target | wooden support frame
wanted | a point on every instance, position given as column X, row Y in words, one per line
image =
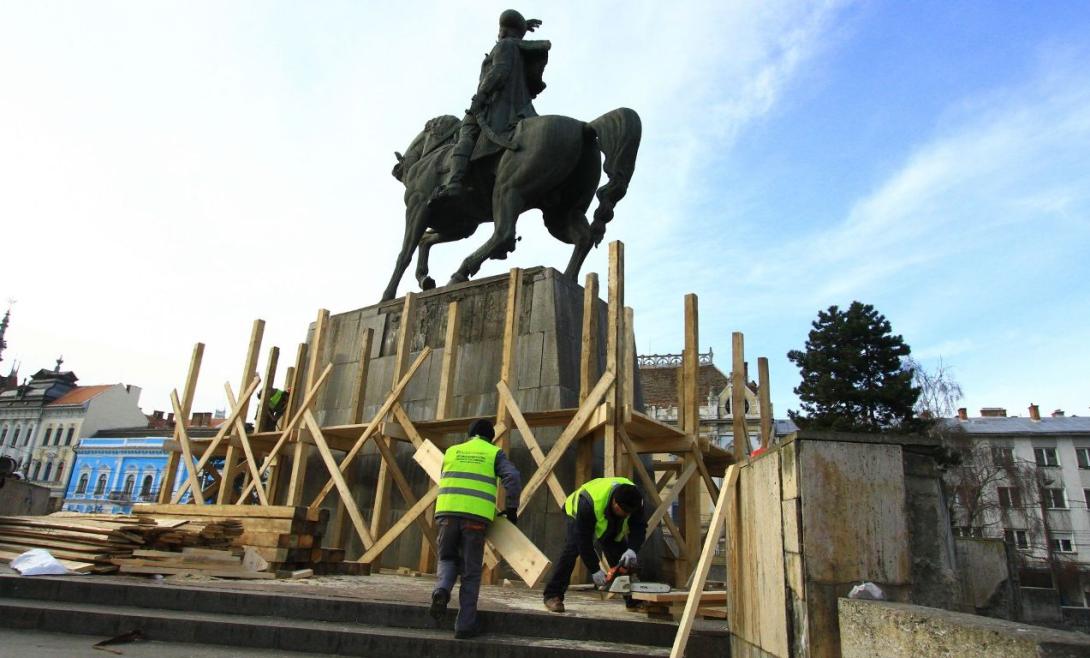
column 614, row 353
column 338, row 529
column 337, row 478
column 764, row 399
column 187, row 450
column 249, row 372
column 738, row 396
column 301, row 448
column 247, row 450
column 262, row 420
column 170, row 474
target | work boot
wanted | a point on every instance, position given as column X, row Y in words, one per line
column 554, row 604
column 439, row 600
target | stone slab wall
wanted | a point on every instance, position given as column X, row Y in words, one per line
column 898, row 630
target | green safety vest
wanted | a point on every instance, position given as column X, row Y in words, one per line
column 277, row 398
column 468, row 482
column 598, row 490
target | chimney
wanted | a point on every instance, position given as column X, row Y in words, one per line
column 993, row 412
column 963, row 413
column 157, row 415
column 1059, row 413
column 1034, row 412
column 170, row 418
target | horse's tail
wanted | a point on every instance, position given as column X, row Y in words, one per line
column 619, row 134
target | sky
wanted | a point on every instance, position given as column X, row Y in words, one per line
column 170, row 171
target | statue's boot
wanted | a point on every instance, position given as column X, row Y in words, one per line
column 453, row 188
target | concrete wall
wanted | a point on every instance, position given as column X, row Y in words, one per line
column 897, row 630
column 1040, row 605
column 21, row 498
column 986, row 583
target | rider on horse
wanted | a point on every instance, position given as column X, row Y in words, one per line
column 511, row 77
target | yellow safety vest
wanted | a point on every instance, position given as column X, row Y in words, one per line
column 598, row 491
column 468, row 483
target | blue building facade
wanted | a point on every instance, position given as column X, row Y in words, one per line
column 110, row 474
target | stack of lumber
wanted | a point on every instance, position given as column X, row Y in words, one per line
column 220, row 563
column 91, row 543
column 287, row 537
column 669, row 605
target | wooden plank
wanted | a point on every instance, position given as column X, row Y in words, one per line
column 508, row 361
column 406, row 490
column 359, row 391
column 262, row 421
column 738, row 397
column 286, row 433
column 689, row 503
column 301, row 448
column 588, row 374
column 614, row 352
column 764, row 399
column 508, row 400
column 695, row 594
column 170, row 473
column 210, row 450
column 504, row 537
column 381, row 508
column 665, row 501
column 569, row 434
column 681, row 596
column 407, row 519
column 336, row 476
column 450, row 363
column 240, row 512
column 247, row 451
column 391, row 399
column 709, row 483
column 249, row 371
column 240, row 573
column 187, row 451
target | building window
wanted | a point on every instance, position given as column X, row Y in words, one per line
column 29, row 434
column 48, row 436
column 130, row 482
column 82, row 486
column 145, row 487
column 15, row 436
column 1055, row 498
column 68, row 437
column 1017, row 538
column 48, row 470
column 60, row 471
column 100, row 486
column 967, row 531
column 1083, row 457
column 1061, row 543
column 3, row 434
column 35, row 468
column 1045, row 457
column 1003, row 457
column 1010, row 497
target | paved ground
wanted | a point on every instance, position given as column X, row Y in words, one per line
column 62, row 645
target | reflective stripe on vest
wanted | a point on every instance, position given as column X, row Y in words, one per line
column 468, row 482
column 598, row 491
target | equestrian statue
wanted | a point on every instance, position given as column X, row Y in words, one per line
column 502, row 159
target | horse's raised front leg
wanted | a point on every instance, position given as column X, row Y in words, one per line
column 507, row 205
column 415, row 216
column 430, row 239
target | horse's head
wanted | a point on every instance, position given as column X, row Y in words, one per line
column 437, row 132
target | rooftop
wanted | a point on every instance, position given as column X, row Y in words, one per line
column 1023, row 425
column 81, row 394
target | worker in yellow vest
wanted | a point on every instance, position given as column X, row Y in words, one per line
column 607, row 512
column 465, row 508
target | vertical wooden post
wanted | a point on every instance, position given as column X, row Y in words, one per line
column 690, row 499
column 381, row 508
column 443, row 408
column 764, row 397
column 170, row 473
column 508, row 361
column 628, row 370
column 738, row 396
column 614, row 350
column 226, row 494
column 588, row 376
column 261, row 421
column 301, row 448
column 294, row 380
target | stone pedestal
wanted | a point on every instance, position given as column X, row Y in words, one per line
column 546, row 378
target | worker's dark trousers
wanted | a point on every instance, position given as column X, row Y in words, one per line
column 565, row 564
column 461, row 552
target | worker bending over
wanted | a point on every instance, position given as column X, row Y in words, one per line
column 465, row 508
column 606, row 511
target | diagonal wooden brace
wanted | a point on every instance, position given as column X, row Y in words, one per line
column 338, row 479
column 406, row 490
column 392, row 398
column 220, row 436
column 187, row 449
column 649, row 486
column 508, row 401
column 247, row 450
column 667, row 501
column 289, row 428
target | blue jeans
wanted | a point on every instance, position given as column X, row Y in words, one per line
column 461, row 552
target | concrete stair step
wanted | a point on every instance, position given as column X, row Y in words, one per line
column 279, row 633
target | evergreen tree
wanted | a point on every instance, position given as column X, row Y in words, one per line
column 853, row 378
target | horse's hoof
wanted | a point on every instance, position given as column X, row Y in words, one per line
column 457, row 278
column 427, row 284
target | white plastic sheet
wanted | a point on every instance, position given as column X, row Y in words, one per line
column 38, row 562
column 867, row 591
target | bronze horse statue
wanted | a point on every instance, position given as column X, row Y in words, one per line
column 555, row 167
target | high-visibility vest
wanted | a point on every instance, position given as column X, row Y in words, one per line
column 598, row 491
column 468, row 482
column 277, row 398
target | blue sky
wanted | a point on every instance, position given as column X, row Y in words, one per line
column 160, row 160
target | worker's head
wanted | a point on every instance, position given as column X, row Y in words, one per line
column 482, row 427
column 626, row 500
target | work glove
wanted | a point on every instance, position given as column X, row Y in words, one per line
column 599, row 579
column 629, row 560
column 511, row 514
